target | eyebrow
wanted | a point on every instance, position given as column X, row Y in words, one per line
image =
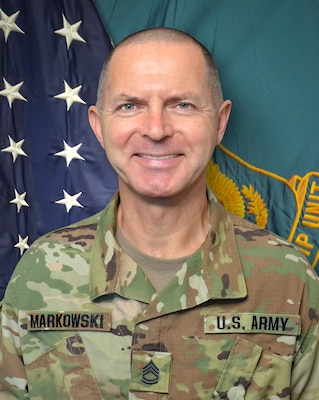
column 126, row 97
column 174, row 97
column 183, row 96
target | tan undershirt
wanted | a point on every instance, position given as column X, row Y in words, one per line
column 158, row 270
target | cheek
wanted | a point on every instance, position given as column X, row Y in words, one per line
column 117, row 133
column 204, row 143
column 113, row 137
column 116, row 144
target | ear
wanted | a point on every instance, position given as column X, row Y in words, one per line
column 95, row 122
column 223, row 116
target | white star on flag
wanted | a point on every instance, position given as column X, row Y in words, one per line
column 70, row 95
column 22, row 244
column 19, row 200
column 15, row 149
column 70, row 153
column 12, row 92
column 70, row 201
column 70, row 31
column 8, row 25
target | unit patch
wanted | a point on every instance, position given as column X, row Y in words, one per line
column 276, row 324
column 68, row 321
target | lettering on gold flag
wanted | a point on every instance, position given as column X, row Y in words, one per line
column 287, row 207
column 305, row 232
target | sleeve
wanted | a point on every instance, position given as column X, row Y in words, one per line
column 305, row 382
column 305, row 373
column 13, row 382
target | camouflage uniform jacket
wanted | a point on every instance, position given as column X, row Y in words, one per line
column 80, row 320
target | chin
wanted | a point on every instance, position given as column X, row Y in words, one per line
column 163, row 194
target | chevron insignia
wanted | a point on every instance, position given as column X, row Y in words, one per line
column 150, row 375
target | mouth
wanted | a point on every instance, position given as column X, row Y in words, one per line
column 154, row 157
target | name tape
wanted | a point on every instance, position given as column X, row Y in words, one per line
column 66, row 321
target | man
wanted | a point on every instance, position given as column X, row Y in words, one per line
column 162, row 295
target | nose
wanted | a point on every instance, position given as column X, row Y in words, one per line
column 158, row 124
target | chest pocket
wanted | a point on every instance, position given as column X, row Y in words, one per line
column 63, row 373
column 251, row 373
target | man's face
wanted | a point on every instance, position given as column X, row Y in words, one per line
column 159, row 126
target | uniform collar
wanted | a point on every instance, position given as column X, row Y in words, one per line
column 213, row 272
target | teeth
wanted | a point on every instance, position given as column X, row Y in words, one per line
column 157, row 157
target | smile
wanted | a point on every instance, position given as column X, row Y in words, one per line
column 157, row 157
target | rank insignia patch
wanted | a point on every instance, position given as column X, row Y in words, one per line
column 151, row 371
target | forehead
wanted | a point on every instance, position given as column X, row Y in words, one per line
column 158, row 56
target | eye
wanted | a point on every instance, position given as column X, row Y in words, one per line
column 128, row 107
column 184, row 106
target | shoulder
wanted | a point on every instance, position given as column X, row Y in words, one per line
column 262, row 243
column 82, row 232
column 71, row 234
column 79, row 235
column 277, row 263
column 63, row 254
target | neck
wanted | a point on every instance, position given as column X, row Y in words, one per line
column 167, row 228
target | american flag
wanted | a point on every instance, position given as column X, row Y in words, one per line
column 52, row 169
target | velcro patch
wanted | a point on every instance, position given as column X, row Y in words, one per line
column 276, row 324
column 69, row 321
column 151, row 371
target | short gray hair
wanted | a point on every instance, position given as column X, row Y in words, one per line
column 171, row 36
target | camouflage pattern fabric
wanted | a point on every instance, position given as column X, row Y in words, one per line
column 80, row 320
